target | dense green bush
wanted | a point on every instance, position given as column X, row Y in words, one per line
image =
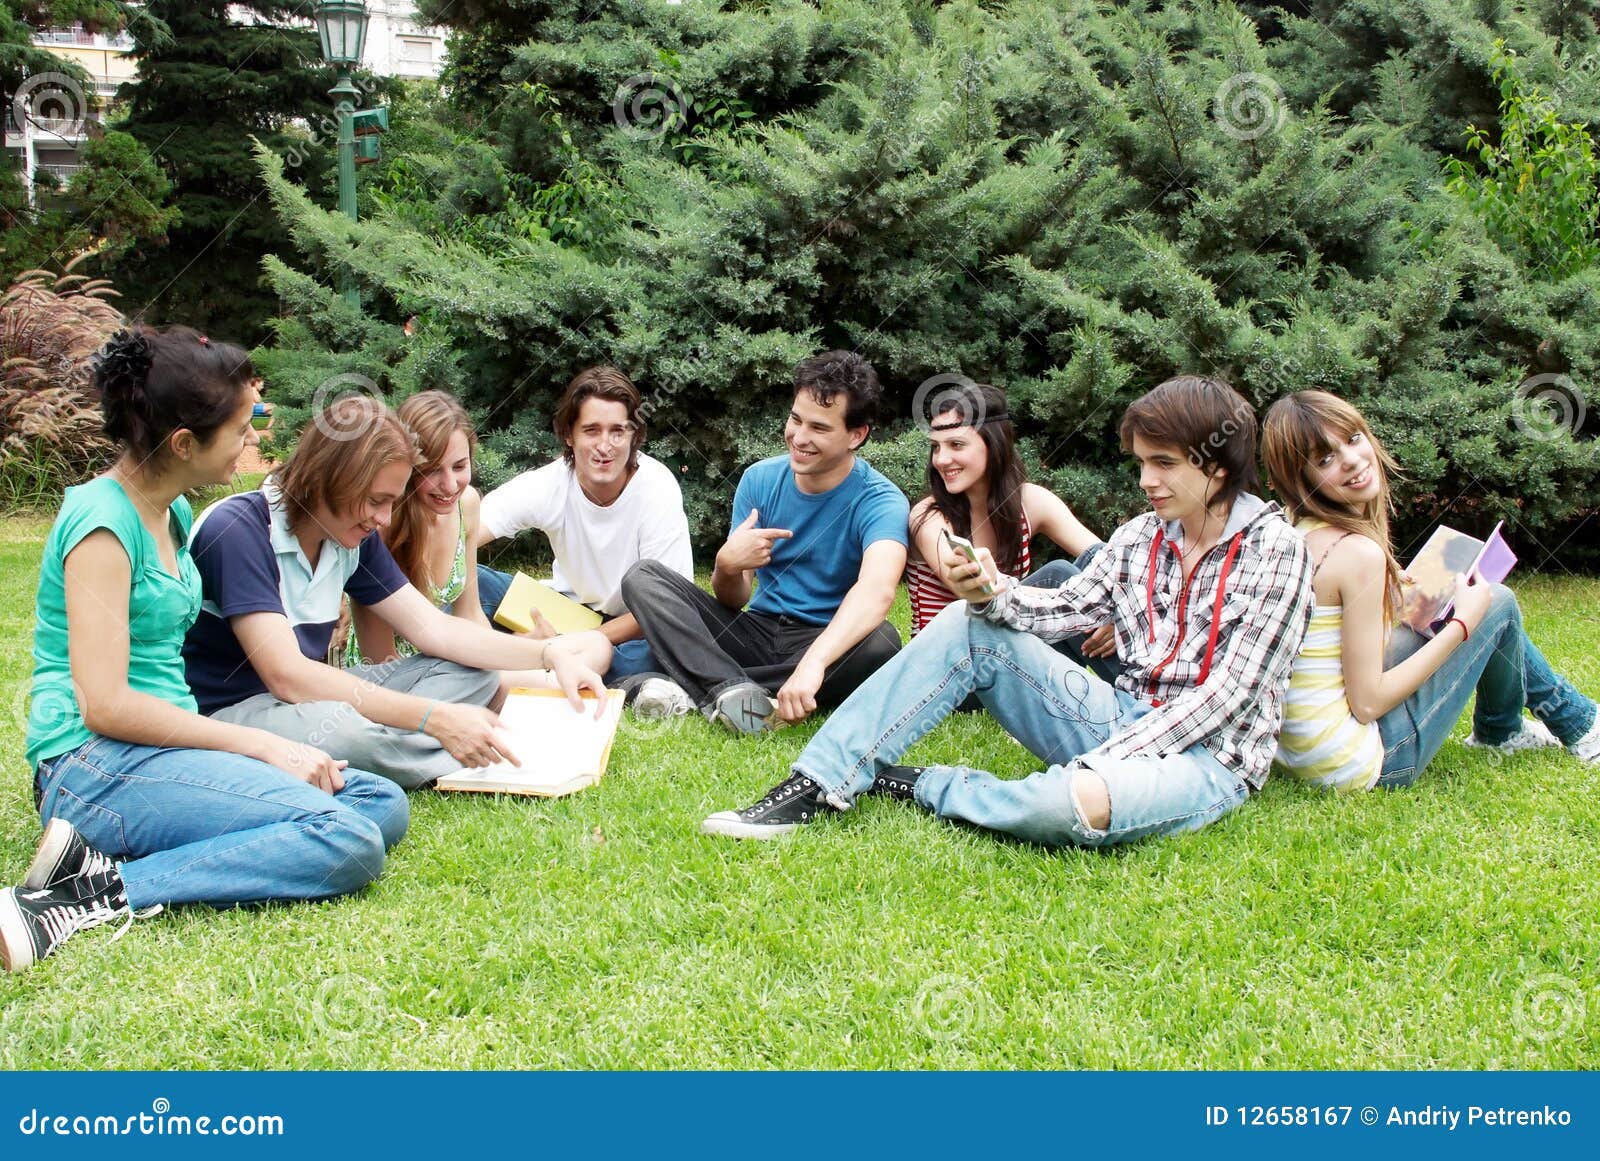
column 1071, row 199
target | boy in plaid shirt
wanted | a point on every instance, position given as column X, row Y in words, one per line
column 1208, row 594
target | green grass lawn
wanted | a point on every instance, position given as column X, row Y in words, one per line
column 1451, row 926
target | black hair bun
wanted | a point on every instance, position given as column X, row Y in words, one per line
column 122, row 366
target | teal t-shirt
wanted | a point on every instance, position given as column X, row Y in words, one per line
column 161, row 607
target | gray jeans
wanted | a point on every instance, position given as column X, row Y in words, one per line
column 407, row 757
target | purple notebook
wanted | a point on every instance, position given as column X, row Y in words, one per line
column 1427, row 601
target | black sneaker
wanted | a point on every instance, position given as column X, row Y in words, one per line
column 63, row 859
column 794, row 801
column 34, row 923
column 897, row 782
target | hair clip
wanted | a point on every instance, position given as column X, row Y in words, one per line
column 204, row 342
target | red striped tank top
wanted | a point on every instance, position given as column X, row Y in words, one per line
column 928, row 594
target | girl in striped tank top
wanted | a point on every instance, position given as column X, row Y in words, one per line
column 1370, row 703
column 978, row 488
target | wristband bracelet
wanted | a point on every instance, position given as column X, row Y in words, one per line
column 1466, row 634
column 425, row 714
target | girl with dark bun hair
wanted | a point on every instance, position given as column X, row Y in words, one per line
column 146, row 802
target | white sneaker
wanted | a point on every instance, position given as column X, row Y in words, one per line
column 1587, row 748
column 660, row 698
column 1535, row 735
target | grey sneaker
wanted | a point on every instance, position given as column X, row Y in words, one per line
column 745, row 708
column 1534, row 735
column 660, row 698
column 787, row 806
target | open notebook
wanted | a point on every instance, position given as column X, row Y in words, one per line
column 1426, row 603
column 561, row 750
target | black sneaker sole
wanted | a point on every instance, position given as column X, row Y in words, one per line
column 46, row 863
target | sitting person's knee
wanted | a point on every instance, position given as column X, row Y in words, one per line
column 643, row 574
column 353, row 848
column 1091, row 799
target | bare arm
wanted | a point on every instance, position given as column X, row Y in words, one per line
column 623, row 628
column 374, row 637
column 577, row 659
column 1372, row 690
column 98, row 578
column 863, row 610
column 1049, row 514
column 925, row 536
column 466, row 731
column 468, row 607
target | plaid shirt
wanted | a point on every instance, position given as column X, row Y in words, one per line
column 1221, row 690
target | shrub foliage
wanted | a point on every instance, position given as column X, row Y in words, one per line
column 1071, row 199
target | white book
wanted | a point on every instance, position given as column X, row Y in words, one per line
column 561, row 750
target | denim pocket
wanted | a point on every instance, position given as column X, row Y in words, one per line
column 100, row 828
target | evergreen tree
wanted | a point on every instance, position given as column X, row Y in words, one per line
column 200, row 97
column 1073, row 200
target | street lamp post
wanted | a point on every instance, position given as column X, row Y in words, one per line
column 342, row 26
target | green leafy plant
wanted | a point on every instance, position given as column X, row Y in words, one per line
column 1539, row 187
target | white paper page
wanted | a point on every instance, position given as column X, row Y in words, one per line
column 554, row 742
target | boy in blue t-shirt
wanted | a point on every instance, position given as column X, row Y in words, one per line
column 823, row 536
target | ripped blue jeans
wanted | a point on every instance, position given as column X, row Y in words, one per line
column 1056, row 708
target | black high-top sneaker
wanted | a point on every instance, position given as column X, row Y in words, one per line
column 897, row 782
column 787, row 806
column 65, row 858
column 34, row 923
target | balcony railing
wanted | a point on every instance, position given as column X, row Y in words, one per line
column 121, row 42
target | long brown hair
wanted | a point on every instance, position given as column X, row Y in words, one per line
column 984, row 409
column 432, row 417
column 1299, row 430
column 341, row 451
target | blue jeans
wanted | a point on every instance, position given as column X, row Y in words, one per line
column 204, row 826
column 627, row 659
column 1508, row 673
column 1055, row 707
column 1053, row 576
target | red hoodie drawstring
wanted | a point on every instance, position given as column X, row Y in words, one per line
column 1183, row 607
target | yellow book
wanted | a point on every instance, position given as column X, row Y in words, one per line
column 561, row 750
column 526, row 594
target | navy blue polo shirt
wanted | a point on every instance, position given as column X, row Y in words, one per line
column 250, row 562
